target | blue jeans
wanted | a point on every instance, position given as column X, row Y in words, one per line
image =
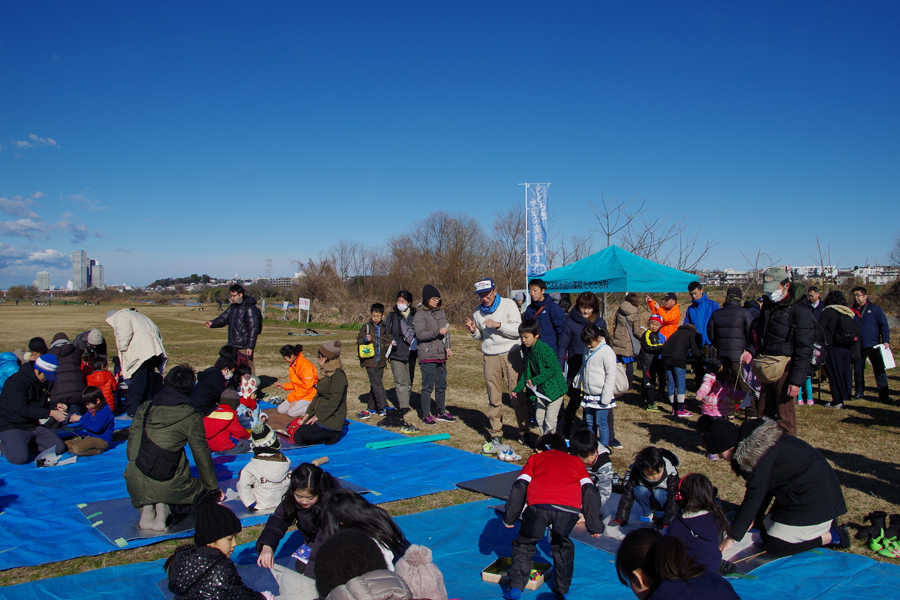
column 675, row 376
column 598, row 419
column 650, row 501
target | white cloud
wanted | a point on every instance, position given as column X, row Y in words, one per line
column 79, row 232
column 25, row 228
column 18, row 207
column 86, row 203
column 38, row 194
column 50, row 256
column 18, row 265
column 35, row 141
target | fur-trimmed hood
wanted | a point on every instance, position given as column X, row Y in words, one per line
column 753, row 446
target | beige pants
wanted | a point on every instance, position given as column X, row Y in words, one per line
column 497, row 368
column 86, row 446
column 547, row 414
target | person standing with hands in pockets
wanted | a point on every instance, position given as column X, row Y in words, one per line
column 496, row 324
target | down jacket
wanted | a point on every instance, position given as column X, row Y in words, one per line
column 624, row 324
column 776, row 465
column 244, row 323
column 172, row 424
column 69, row 380
column 201, row 573
column 788, row 329
column 137, row 339
column 220, row 426
column 9, row 364
column 668, row 482
column 681, row 345
column 570, row 346
column 729, row 330
column 374, row 585
column 264, row 481
column 433, row 345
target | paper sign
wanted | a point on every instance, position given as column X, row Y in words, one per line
column 303, row 303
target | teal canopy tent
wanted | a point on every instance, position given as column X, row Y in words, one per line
column 616, row 270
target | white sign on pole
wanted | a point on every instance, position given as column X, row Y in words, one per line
column 303, row 303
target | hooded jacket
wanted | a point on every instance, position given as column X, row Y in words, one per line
column 137, row 339
column 805, row 488
column 204, row 573
column 830, row 321
column 700, row 534
column 668, row 482
column 626, row 322
column 374, row 585
column 303, row 379
column 433, row 345
column 69, row 380
column 788, row 329
column 698, row 314
column 22, row 402
column 570, row 346
column 330, row 403
column 551, row 318
column 244, row 323
column 873, row 325
column 220, row 426
column 651, row 349
column 681, row 345
column 172, row 424
column 264, row 481
column 9, row 364
column 597, row 375
column 671, row 317
column 402, row 331
column 729, row 330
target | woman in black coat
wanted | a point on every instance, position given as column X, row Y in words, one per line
column 836, row 317
column 69, row 382
column 802, row 488
column 570, row 350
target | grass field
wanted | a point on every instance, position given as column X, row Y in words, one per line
column 861, row 441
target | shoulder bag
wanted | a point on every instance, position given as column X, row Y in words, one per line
column 367, row 350
column 153, row 461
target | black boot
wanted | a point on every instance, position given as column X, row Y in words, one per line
column 877, row 520
column 884, row 394
column 894, row 530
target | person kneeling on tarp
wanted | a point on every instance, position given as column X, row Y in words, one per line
column 24, row 409
column 324, row 419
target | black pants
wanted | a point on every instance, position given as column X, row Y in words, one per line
column 778, row 547
column 653, row 376
column 377, row 395
column 535, row 521
column 141, row 385
column 314, row 434
column 18, row 445
column 838, row 367
column 859, row 369
column 568, row 414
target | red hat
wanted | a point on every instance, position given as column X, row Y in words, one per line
column 656, row 319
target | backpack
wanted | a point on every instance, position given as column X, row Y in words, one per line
column 846, row 332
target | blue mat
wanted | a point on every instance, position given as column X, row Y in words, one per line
column 468, row 537
column 40, row 520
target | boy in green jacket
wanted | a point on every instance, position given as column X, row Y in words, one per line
column 542, row 376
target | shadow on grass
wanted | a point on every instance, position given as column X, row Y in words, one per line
column 867, row 475
column 685, row 439
column 871, row 415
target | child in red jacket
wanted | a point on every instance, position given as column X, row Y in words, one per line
column 557, row 488
column 103, row 379
column 222, row 425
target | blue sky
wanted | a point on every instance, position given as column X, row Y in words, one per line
column 175, row 138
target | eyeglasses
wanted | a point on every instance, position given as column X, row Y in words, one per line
column 233, row 295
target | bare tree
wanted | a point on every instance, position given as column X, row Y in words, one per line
column 615, row 216
column 760, row 262
column 509, row 247
column 894, row 255
column 569, row 250
column 826, row 268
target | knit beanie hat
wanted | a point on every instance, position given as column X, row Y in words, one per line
column 719, row 434
column 47, row 364
column 420, row 573
column 249, row 385
column 330, row 349
column 429, row 292
column 37, row 345
column 655, row 319
column 213, row 521
column 94, row 337
column 230, row 398
column 736, row 292
column 264, row 440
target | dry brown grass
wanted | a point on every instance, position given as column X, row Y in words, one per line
column 861, row 441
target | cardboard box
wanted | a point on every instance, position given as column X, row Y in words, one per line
column 498, row 572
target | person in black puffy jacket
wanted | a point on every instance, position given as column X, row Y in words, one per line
column 729, row 328
column 244, row 321
column 69, row 381
column 785, row 327
column 570, row 349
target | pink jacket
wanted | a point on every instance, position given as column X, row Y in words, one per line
column 717, row 396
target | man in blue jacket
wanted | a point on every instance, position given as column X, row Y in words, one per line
column 873, row 330
column 549, row 315
column 698, row 314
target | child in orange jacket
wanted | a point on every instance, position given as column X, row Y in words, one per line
column 302, row 384
column 669, row 311
column 103, row 379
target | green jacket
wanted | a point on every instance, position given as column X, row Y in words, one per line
column 542, row 368
column 172, row 424
column 330, row 404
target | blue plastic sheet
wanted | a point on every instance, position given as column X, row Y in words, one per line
column 465, row 539
column 40, row 520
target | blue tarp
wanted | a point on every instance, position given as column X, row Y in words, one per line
column 465, row 539
column 616, row 270
column 40, row 521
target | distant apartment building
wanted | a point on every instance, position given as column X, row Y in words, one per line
column 86, row 273
column 42, row 281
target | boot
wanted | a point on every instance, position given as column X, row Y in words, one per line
column 148, row 514
column 884, row 394
column 162, row 515
column 877, row 520
column 893, row 531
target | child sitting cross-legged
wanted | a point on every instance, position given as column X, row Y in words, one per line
column 267, row 476
column 204, row 569
column 542, row 376
column 652, row 484
column 222, row 426
column 556, row 488
column 701, row 523
column 718, row 391
column 658, row 567
column 97, row 420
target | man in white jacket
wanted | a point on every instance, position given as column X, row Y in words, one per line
column 141, row 353
column 496, row 323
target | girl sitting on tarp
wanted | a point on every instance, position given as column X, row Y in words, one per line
column 302, row 385
column 266, row 478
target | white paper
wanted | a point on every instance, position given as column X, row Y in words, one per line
column 887, row 357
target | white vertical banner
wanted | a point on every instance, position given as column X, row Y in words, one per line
column 536, row 224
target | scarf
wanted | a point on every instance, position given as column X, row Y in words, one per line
column 494, row 306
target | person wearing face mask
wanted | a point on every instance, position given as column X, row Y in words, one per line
column 404, row 353
column 785, row 333
column 210, row 385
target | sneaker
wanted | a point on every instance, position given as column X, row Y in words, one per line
column 712, row 456
column 363, row 415
column 615, row 444
column 492, row 446
column 446, row 417
column 429, row 420
column 383, row 412
column 859, row 396
column 407, row 427
column 835, row 405
column 800, row 402
column 810, row 402
column 646, row 518
column 655, row 408
column 684, row 414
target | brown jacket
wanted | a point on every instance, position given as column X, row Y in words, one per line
column 629, row 315
column 374, row 331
